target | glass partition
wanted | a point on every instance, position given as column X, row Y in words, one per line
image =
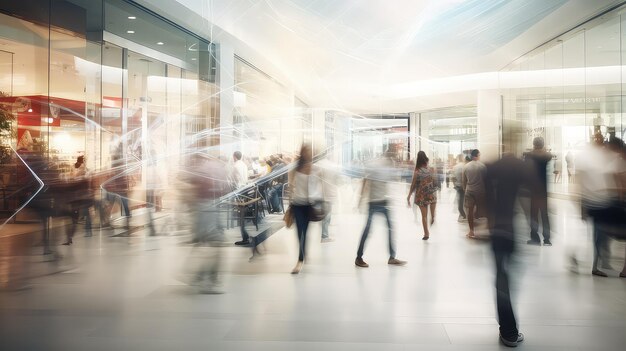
column 567, row 91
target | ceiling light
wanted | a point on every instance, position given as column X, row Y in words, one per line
column 193, row 59
column 160, row 43
column 30, row 110
column 130, row 31
column 132, row 17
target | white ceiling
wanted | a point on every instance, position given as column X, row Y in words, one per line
column 350, row 54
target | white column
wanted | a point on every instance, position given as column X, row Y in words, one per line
column 318, row 130
column 489, row 107
column 226, row 83
column 414, row 133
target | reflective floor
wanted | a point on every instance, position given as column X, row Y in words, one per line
column 130, row 293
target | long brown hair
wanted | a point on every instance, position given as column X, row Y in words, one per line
column 422, row 160
column 306, row 156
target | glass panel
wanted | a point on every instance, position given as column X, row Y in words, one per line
column 263, row 117
column 74, row 84
column 602, row 74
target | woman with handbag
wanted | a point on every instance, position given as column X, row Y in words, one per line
column 300, row 199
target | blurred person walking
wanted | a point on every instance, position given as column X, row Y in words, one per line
column 329, row 177
column 502, row 182
column 375, row 190
column 474, row 188
column 239, row 177
column 600, row 175
column 209, row 179
column 457, row 181
column 424, row 186
column 539, row 159
column 301, row 197
column 81, row 199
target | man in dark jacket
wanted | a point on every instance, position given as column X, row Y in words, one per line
column 502, row 182
column 538, row 160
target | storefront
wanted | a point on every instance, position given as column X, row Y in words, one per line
column 109, row 79
column 566, row 91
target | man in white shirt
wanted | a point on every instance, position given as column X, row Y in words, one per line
column 240, row 178
column 240, row 174
column 376, row 180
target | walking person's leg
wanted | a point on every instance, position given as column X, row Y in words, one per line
column 502, row 250
column 424, row 212
column 534, row 218
column 326, row 223
column 359, row 254
column 545, row 221
column 392, row 242
column 432, row 206
column 599, row 239
column 460, row 194
column 302, row 221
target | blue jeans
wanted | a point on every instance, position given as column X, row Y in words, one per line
column 301, row 214
column 274, row 195
column 377, row 207
column 326, row 221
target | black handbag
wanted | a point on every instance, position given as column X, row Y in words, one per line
column 319, row 211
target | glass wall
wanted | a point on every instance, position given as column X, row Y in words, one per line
column 566, row 91
column 106, row 78
column 267, row 118
column 448, row 132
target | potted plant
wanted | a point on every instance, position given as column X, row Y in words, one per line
column 7, row 131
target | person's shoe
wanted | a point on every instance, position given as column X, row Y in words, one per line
column 327, row 240
column 359, row 262
column 67, row 243
column 425, row 237
column 622, row 274
column 242, row 242
column 547, row 242
column 534, row 242
column 297, row 268
column 396, row 262
column 512, row 343
column 461, row 219
column 599, row 273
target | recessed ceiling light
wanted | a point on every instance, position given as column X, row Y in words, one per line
column 130, row 31
column 30, row 110
column 132, row 17
column 160, row 43
column 193, row 59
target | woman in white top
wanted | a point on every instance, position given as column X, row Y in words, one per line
column 299, row 199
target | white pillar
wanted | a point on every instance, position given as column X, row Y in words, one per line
column 318, row 130
column 226, row 83
column 414, row 133
column 489, row 108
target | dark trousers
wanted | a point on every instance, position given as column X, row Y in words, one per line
column 460, row 198
column 301, row 214
column 539, row 204
column 601, row 218
column 377, row 207
column 274, row 195
column 502, row 250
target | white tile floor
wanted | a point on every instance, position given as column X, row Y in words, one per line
column 129, row 293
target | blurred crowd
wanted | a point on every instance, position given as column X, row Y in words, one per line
column 217, row 193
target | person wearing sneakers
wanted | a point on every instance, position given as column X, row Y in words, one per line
column 376, row 182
